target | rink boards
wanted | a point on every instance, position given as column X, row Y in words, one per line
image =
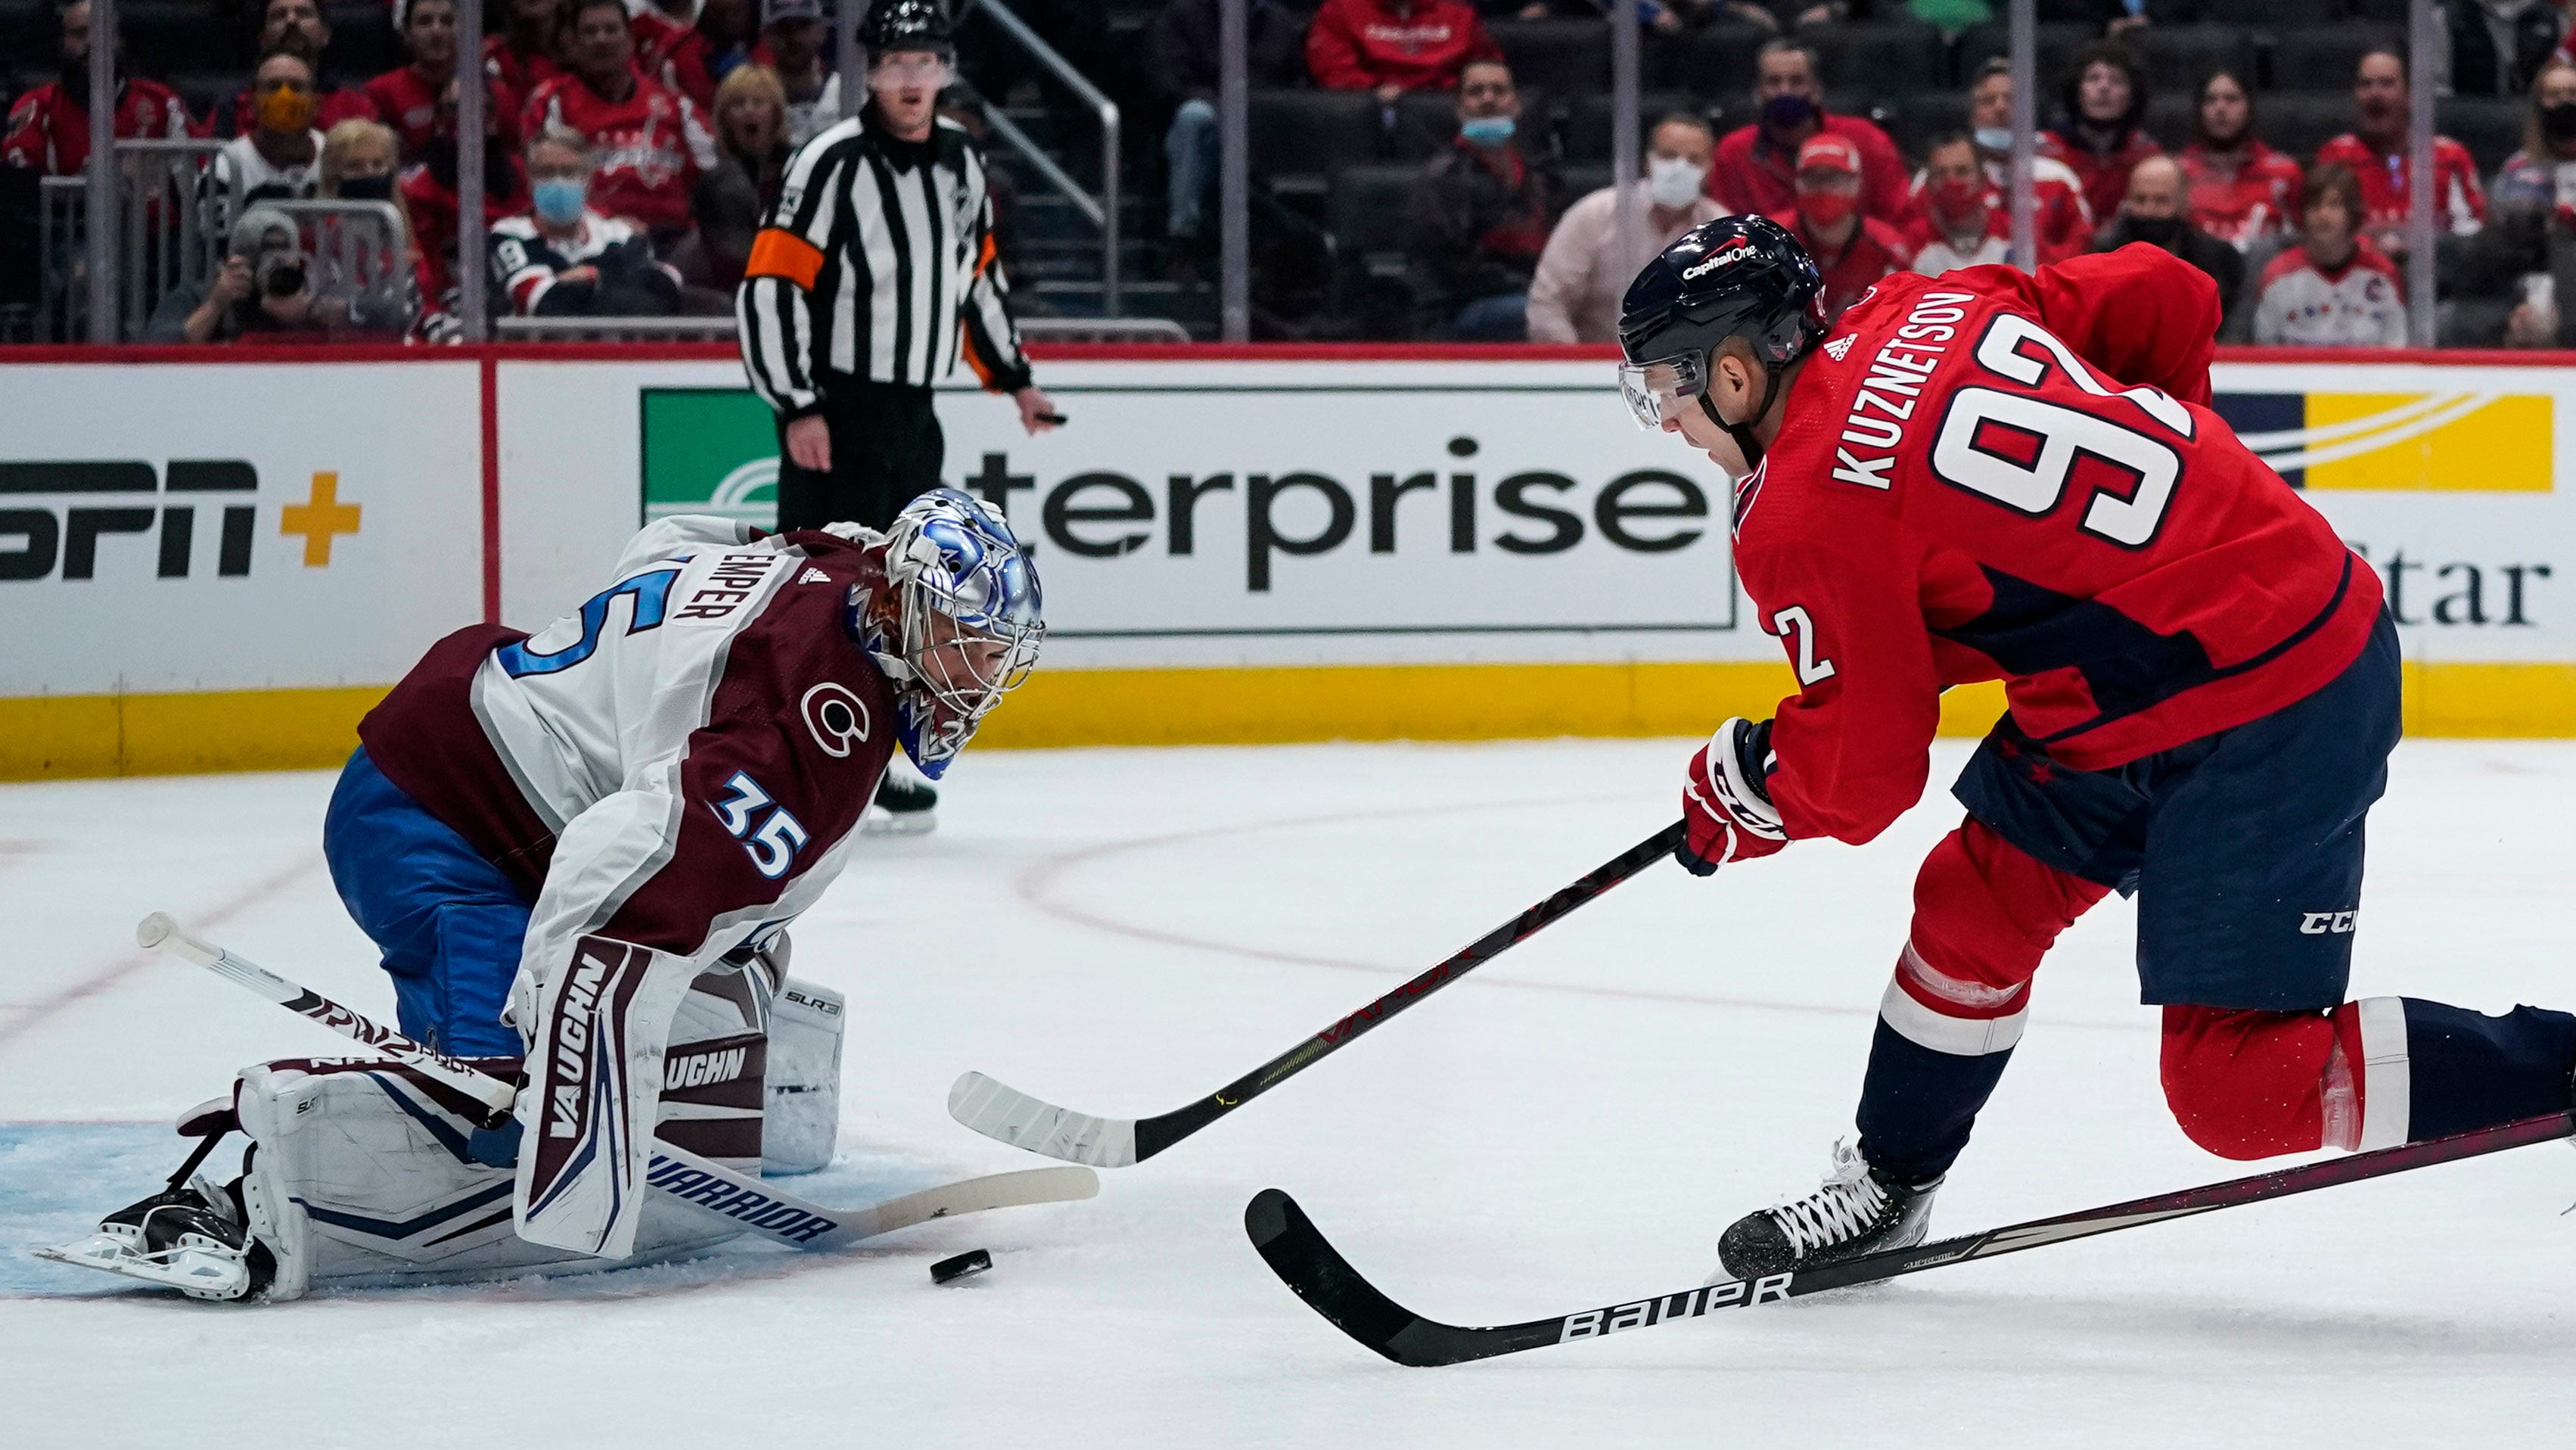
column 221, row 565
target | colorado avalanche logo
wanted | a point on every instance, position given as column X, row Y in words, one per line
column 835, row 717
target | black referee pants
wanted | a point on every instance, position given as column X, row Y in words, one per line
column 886, row 452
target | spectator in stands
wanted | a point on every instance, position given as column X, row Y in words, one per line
column 2242, row 191
column 1852, row 250
column 408, row 99
column 2375, row 152
column 1481, row 216
column 670, row 48
column 528, row 52
column 2064, row 219
column 795, row 33
column 2334, row 289
column 359, row 159
column 562, row 259
column 2157, row 212
column 1960, row 218
column 49, row 126
column 1574, row 296
column 261, row 288
column 298, row 26
column 730, row 30
column 1756, row 165
column 429, row 197
column 2542, row 175
column 278, row 158
column 2098, row 138
column 1394, row 46
column 1184, row 64
column 751, row 158
column 650, row 140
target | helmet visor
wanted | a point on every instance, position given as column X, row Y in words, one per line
column 1659, row 390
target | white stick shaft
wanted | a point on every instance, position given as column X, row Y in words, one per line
column 159, row 930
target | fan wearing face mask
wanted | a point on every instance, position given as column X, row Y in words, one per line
column 1853, row 251
column 1960, row 218
column 1480, row 218
column 1756, row 166
column 1574, row 295
column 2154, row 212
column 2062, row 218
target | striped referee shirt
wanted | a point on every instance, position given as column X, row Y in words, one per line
column 877, row 263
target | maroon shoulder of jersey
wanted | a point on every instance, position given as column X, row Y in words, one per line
column 798, row 732
column 425, row 738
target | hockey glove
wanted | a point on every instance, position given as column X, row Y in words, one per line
column 1726, row 810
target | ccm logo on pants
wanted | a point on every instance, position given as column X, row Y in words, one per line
column 2319, row 923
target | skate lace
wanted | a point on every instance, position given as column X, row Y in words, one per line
column 1849, row 1200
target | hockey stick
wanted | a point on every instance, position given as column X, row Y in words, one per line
column 1000, row 1111
column 1299, row 1254
column 755, row 1204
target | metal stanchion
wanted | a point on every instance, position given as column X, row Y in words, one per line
column 2025, row 127
column 1234, row 182
column 2424, row 51
column 472, row 272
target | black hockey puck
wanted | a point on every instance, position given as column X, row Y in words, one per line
column 973, row 1261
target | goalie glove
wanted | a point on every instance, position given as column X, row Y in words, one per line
column 1726, row 810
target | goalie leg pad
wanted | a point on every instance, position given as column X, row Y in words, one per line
column 804, row 1088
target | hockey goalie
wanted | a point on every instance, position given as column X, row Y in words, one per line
column 579, row 852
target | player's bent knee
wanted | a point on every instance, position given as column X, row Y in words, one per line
column 2246, row 1084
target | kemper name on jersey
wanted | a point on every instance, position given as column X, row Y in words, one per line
column 733, row 583
column 1895, row 379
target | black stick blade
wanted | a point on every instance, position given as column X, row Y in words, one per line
column 1289, row 1242
column 1299, row 1254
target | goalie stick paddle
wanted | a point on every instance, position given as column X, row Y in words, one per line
column 1000, row 1111
column 752, row 1203
column 1298, row 1252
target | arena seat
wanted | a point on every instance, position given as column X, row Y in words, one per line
column 1924, row 115
column 2299, row 124
column 161, row 36
column 1714, row 64
column 1298, row 137
column 1587, row 127
column 2058, row 45
column 2490, row 126
column 1568, row 57
column 364, row 42
column 1887, row 58
column 2323, row 58
column 2179, row 57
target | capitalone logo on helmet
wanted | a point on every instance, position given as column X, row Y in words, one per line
column 1717, row 259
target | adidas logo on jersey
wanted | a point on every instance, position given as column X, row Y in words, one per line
column 813, row 576
column 1836, row 348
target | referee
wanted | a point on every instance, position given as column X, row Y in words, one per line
column 874, row 273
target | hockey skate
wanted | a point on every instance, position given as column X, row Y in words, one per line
column 906, row 805
column 1856, row 1212
column 190, row 1236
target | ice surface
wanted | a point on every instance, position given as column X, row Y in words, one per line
column 1120, row 931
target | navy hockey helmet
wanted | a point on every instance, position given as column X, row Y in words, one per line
column 1738, row 276
column 907, row 25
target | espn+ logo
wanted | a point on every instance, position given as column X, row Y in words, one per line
column 41, row 528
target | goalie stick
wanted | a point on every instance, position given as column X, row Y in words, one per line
column 1298, row 1252
column 753, row 1203
column 1000, row 1111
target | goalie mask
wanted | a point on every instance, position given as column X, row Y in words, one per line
column 966, row 621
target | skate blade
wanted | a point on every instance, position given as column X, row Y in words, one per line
column 888, row 823
column 192, row 1272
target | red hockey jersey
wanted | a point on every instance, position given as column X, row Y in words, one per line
column 49, row 132
column 1992, row 475
column 676, row 55
column 2459, row 203
column 647, row 150
column 2237, row 198
column 409, row 104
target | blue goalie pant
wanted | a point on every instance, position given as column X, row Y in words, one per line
column 447, row 921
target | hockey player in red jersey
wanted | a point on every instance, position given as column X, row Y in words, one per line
column 579, row 851
column 1991, row 475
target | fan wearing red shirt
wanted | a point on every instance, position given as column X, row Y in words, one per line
column 409, row 99
column 48, row 128
column 1993, row 475
column 2099, row 139
column 2375, row 148
column 2063, row 220
column 528, row 52
column 1756, row 165
column 1394, row 46
column 1853, row 251
column 670, row 49
column 2240, row 189
column 648, row 142
column 430, row 199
